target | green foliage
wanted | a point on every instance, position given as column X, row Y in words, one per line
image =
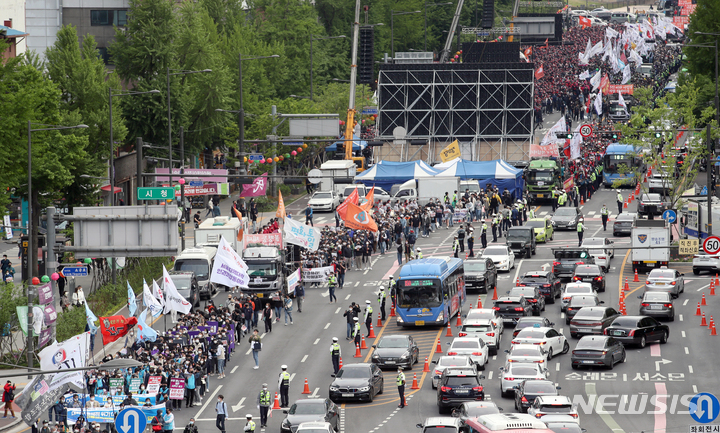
column 11, row 297
column 706, row 19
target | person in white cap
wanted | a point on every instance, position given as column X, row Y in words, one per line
column 250, row 424
column 335, row 353
column 368, row 315
column 356, row 331
column 284, row 385
column 263, row 403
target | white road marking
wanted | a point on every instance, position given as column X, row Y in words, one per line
column 687, row 351
column 292, row 376
column 304, row 358
column 690, row 369
column 338, row 310
column 234, row 368
column 490, row 375
column 683, row 334
column 695, row 389
column 317, row 341
column 518, row 266
column 703, row 287
column 347, row 297
column 212, row 396
column 685, row 303
column 681, row 317
column 248, row 352
column 314, row 394
column 557, row 366
column 327, row 326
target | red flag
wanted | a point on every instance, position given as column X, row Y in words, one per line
column 539, row 73
column 369, row 200
column 546, row 42
column 358, row 218
column 353, row 198
column 584, row 22
column 115, row 327
column 528, row 52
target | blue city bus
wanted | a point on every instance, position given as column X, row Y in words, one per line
column 620, row 162
column 430, row 291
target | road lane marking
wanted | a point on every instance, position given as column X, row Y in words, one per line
column 304, row 358
column 681, row 317
column 557, row 366
column 348, row 296
column 318, row 340
column 292, row 376
column 234, row 368
column 687, row 351
column 338, row 310
column 622, row 269
column 327, row 326
column 212, row 396
column 607, row 419
column 685, row 303
column 490, row 375
column 249, row 350
column 660, row 399
column 695, row 389
column 518, row 266
column 655, row 350
column 683, row 334
column 690, row 369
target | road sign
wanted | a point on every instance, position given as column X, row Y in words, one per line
column 315, row 176
column 688, row 247
column 703, row 428
column 704, row 191
column 75, row 271
column 131, row 420
column 704, row 407
column 255, row 157
column 670, row 216
column 195, row 183
column 711, row 245
column 586, row 130
column 155, row 193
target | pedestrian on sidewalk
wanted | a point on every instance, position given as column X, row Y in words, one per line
column 309, row 216
column 8, row 397
column 300, row 296
column 210, row 208
column 287, row 306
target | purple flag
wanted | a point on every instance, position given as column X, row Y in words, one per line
column 50, row 314
column 257, row 188
column 45, row 294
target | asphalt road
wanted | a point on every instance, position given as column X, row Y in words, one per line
column 675, row 369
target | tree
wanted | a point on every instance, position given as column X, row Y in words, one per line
column 706, row 19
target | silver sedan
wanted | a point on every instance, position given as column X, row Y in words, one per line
column 665, row 280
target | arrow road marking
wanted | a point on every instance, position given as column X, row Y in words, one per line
column 315, row 393
column 212, row 396
column 239, row 406
column 661, row 362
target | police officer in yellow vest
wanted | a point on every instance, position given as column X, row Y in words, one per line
column 483, row 235
column 263, row 402
column 456, row 247
column 356, row 331
column 580, row 230
column 250, row 424
column 532, row 213
column 418, row 253
column 382, row 296
column 561, row 199
column 400, row 381
column 284, row 385
column 554, row 199
column 619, row 201
column 335, row 354
column 495, row 223
column 604, row 213
column 368, row 315
column 576, row 195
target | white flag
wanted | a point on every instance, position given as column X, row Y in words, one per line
column 575, row 144
column 229, row 268
column 595, row 80
column 150, row 302
column 174, row 301
column 626, row 74
column 297, row 233
column 621, row 102
column 158, row 293
column 598, row 103
column 584, row 75
column 71, row 353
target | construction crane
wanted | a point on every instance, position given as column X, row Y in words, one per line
column 350, row 123
column 445, row 54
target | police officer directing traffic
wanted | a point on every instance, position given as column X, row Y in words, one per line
column 580, row 230
column 368, row 315
column 604, row 214
column 250, row 424
column 400, row 380
column 335, row 353
column 356, row 331
column 284, row 385
column 263, row 402
column 382, row 296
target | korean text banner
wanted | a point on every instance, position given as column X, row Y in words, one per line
column 317, row 275
column 107, row 415
column 297, row 233
column 229, row 268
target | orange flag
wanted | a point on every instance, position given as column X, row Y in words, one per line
column 240, row 233
column 359, row 219
column 370, row 200
column 353, row 198
column 280, row 213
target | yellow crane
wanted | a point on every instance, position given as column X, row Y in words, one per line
column 352, row 112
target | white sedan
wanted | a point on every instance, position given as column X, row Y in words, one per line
column 502, row 256
column 601, row 250
column 472, row 347
column 574, row 289
column 486, row 314
column 552, row 341
column 530, row 353
column 324, row 201
column 485, row 329
column 515, row 372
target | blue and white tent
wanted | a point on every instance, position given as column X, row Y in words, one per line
column 498, row 173
column 385, row 174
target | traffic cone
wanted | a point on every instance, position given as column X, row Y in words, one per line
column 713, row 331
column 702, row 301
column 379, row 322
column 625, row 206
column 362, row 343
column 340, row 362
column 627, row 285
column 426, row 367
column 276, row 405
column 306, row 390
column 479, row 303
column 449, row 331
column 712, row 288
column 494, row 298
column 392, row 310
column 698, row 312
column 459, row 320
column 703, row 322
column 438, row 349
column 358, row 354
column 636, row 279
column 582, row 201
column 415, row 384
column 371, row 334
column 712, row 322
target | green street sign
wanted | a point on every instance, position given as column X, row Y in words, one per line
column 155, row 194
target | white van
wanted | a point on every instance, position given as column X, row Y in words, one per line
column 200, row 261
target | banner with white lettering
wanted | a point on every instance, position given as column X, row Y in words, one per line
column 293, row 280
column 317, row 275
column 297, row 233
column 107, row 415
column 229, row 268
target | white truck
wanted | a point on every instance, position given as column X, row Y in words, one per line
column 337, row 174
column 210, row 231
column 436, row 187
column 650, row 244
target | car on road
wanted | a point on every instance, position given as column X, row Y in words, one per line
column 652, row 203
column 572, row 289
column 595, row 350
column 472, row 347
column 441, row 424
column 501, row 255
column 592, row 320
column 357, row 382
column 395, row 350
column 705, row 262
column 480, row 274
column 601, row 250
column 550, row 286
column 543, row 228
column 514, row 373
column 528, row 390
column 660, row 183
column 486, row 313
column 458, row 385
column 512, row 308
column 315, row 427
column 566, row 259
column 592, row 274
column 381, row 195
column 553, row 405
column 484, row 329
column 623, row 223
column 532, row 295
column 577, row 302
column 473, row 409
column 550, row 339
column 665, row 280
column 521, row 240
column 527, row 353
column 449, row 361
column 638, row 330
column 324, row 201
column 657, row 304
column 567, row 218
column 602, row 13
column 310, row 409
column 531, row 322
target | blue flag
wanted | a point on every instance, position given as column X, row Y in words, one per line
column 145, row 331
column 132, row 303
column 91, row 319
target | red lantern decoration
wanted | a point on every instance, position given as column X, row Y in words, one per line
column 268, row 161
column 293, row 153
column 299, row 149
column 36, row 281
column 282, row 158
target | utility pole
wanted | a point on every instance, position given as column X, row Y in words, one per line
column 182, row 188
column 710, row 163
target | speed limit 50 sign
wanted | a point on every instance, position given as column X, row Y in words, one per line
column 711, row 245
column 586, row 130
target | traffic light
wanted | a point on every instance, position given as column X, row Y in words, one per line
column 658, row 135
column 611, row 135
column 366, row 61
column 564, row 134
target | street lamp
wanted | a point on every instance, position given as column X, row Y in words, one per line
column 311, row 57
column 426, row 6
column 31, row 253
column 393, row 14
column 300, row 97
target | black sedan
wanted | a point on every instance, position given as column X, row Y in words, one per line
column 528, row 390
column 638, row 330
column 310, row 409
column 597, row 350
column 357, row 382
column 550, row 286
column 567, row 218
column 592, row 274
column 532, row 295
column 393, row 350
column 472, row 409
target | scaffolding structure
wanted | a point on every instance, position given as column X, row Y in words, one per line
column 487, row 107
